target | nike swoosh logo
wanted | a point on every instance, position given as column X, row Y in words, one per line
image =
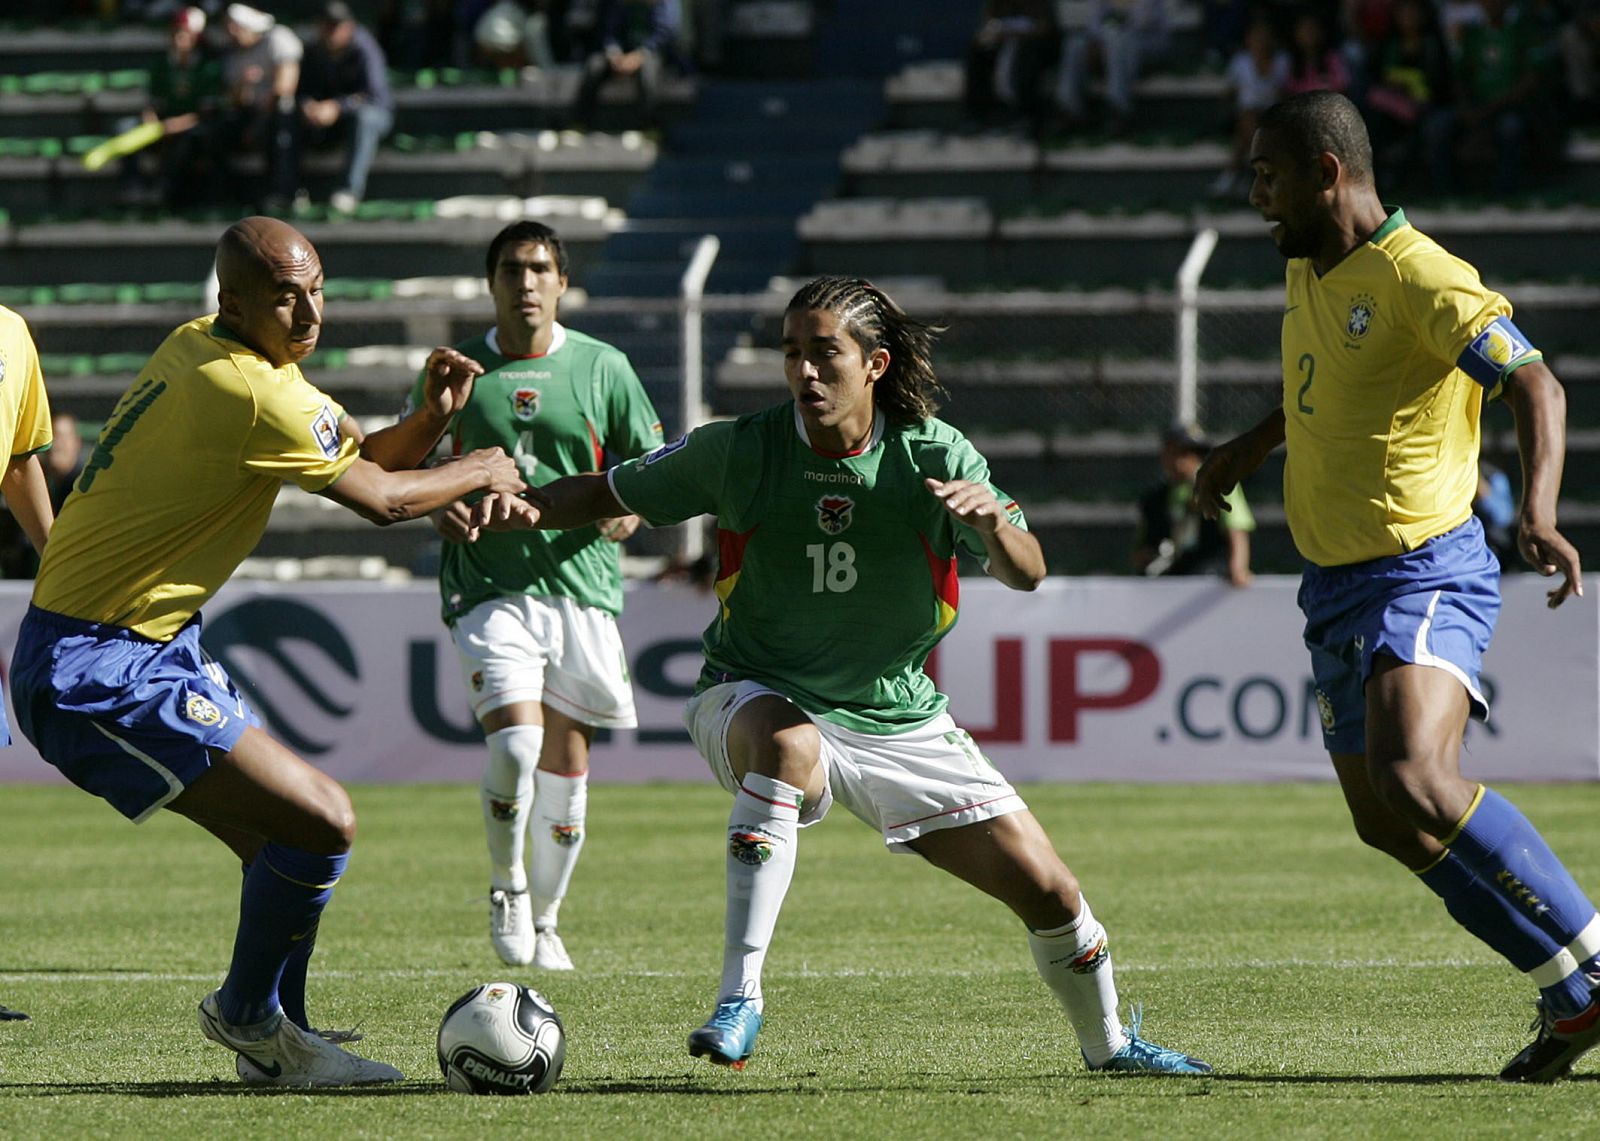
column 273, row 1070
column 1290, row 308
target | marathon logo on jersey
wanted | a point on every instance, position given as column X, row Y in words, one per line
column 665, row 450
column 525, row 403
column 1362, row 309
column 1498, row 345
column 201, row 711
column 833, row 513
column 325, row 430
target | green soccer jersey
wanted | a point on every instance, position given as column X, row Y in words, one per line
column 837, row 574
column 558, row 414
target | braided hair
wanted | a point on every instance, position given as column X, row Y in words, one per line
column 908, row 391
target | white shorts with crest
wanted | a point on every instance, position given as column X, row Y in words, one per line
column 903, row 784
column 547, row 649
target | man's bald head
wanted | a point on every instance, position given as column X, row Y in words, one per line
column 269, row 288
column 258, row 247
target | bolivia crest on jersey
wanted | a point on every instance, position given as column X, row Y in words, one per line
column 833, row 513
column 1362, row 309
column 525, row 403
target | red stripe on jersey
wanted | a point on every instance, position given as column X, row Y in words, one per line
column 730, row 560
column 599, row 449
column 946, row 585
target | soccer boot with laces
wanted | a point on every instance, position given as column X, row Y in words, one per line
column 729, row 1038
column 290, row 1056
column 549, row 952
column 1140, row 1056
column 1558, row 1042
column 511, row 927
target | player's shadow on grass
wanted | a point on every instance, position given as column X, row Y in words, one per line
column 217, row 1087
column 1366, row 1079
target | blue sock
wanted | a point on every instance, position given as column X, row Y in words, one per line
column 284, row 893
column 1507, row 930
column 292, row 986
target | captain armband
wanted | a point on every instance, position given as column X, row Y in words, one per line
column 1495, row 352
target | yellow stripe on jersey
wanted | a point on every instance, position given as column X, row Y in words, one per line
column 1382, row 425
column 183, row 479
column 24, row 407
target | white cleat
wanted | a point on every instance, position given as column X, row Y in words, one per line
column 550, row 953
column 289, row 1056
column 511, row 927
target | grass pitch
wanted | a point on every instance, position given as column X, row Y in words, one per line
column 1333, row 995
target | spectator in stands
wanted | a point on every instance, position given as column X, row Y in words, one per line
column 260, row 73
column 514, row 33
column 1016, row 43
column 1174, row 538
column 640, row 39
column 344, row 99
column 1315, row 62
column 417, row 33
column 1495, row 505
column 1580, row 58
column 1256, row 76
column 1121, row 38
column 1407, row 91
column 185, row 94
column 1497, row 93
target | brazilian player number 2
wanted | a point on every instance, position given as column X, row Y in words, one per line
column 1308, row 365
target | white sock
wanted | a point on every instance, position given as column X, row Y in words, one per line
column 761, row 855
column 560, row 804
column 1076, row 965
column 507, row 795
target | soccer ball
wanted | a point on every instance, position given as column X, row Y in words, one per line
column 501, row 1038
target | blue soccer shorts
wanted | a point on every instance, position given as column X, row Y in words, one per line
column 1434, row 606
column 131, row 720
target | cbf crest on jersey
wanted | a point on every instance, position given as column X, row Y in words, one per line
column 833, row 513
column 525, row 403
column 1362, row 310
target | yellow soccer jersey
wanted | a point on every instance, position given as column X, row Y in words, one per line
column 1386, row 359
column 183, row 479
column 24, row 408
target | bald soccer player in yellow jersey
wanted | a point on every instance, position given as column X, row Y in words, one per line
column 25, row 422
column 110, row 681
column 1390, row 348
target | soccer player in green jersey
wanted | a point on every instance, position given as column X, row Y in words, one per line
column 533, row 614
column 1390, row 348
column 839, row 516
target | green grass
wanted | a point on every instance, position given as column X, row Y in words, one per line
column 1332, row 994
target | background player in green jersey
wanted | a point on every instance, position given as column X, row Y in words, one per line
column 1390, row 348
column 839, row 516
column 533, row 613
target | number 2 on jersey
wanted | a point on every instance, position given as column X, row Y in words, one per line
column 1308, row 365
column 833, row 568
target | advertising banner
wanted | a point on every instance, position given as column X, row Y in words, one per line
column 1084, row 679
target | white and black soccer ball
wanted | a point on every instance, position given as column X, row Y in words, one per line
column 501, row 1038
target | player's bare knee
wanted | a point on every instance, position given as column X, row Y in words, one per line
column 1413, row 792
column 330, row 826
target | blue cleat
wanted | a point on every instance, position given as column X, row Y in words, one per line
column 1141, row 1056
column 730, row 1037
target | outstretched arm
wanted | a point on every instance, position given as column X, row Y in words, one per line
column 1539, row 405
column 560, row 505
column 1014, row 555
column 405, row 445
column 385, row 497
column 1230, row 462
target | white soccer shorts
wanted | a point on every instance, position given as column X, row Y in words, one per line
column 903, row 784
column 548, row 649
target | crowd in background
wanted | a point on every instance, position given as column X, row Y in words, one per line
column 1459, row 94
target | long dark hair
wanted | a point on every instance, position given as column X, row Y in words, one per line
column 908, row 391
